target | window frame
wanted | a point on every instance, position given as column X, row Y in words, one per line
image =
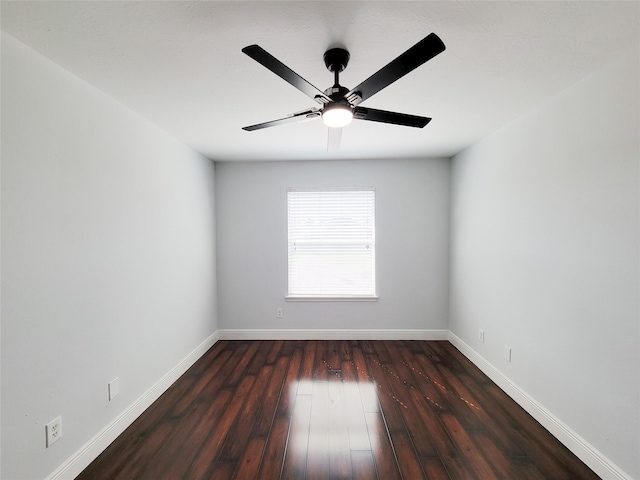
column 332, row 297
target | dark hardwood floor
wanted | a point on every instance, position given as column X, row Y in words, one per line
column 335, row 410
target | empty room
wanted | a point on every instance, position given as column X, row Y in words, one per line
column 320, row 239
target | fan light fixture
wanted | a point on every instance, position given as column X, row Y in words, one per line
column 337, row 115
column 339, row 105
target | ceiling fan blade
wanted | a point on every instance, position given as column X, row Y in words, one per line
column 296, row 117
column 424, row 50
column 263, row 57
column 373, row 115
column 333, row 139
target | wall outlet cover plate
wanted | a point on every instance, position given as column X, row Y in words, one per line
column 114, row 388
column 53, row 430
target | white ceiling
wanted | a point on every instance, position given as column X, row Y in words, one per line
column 180, row 65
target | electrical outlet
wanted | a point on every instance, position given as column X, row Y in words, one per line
column 481, row 335
column 279, row 313
column 507, row 353
column 53, row 431
column 114, row 388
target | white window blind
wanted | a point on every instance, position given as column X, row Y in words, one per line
column 331, row 241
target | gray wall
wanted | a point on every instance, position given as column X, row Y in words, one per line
column 412, row 237
column 108, row 258
column 545, row 240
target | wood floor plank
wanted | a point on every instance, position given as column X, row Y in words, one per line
column 402, row 382
column 267, row 405
column 472, row 456
column 496, row 421
column 436, row 388
column 332, row 355
column 259, row 360
column 338, row 410
column 383, row 454
column 305, row 382
column 124, row 449
column 346, row 350
column 177, row 444
column 434, row 468
column 545, row 461
column 241, row 429
column 339, row 444
column 206, row 377
column 289, row 390
column 389, row 403
column 222, row 471
column 240, row 367
column 407, row 459
column 295, row 460
column 363, row 466
column 430, row 421
column 458, row 469
column 539, row 444
column 354, row 408
column 496, row 457
column 273, row 458
column 318, row 446
column 366, row 385
column 211, row 448
column 320, row 367
column 274, row 352
column 250, row 462
column 132, row 460
column 528, row 471
column 459, row 362
column 459, row 401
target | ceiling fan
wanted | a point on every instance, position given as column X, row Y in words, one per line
column 339, row 105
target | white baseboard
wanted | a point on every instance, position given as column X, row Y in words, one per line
column 90, row 451
column 291, row 334
column 595, row 460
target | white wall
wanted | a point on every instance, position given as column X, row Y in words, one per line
column 412, row 236
column 545, row 257
column 108, row 258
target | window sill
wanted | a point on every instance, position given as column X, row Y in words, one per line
column 302, row 298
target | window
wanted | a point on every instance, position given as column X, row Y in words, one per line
column 331, row 241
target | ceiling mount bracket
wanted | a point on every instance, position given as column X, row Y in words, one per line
column 336, row 59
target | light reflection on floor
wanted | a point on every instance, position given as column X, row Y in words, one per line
column 334, row 418
column 329, row 422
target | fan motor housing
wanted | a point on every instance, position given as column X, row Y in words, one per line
column 336, row 93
